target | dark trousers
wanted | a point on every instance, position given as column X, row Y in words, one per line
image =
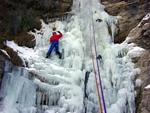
column 55, row 44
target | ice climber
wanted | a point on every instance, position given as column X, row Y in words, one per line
column 54, row 40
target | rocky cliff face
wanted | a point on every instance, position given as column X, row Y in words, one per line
column 140, row 35
column 130, row 14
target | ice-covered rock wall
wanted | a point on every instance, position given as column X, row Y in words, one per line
column 57, row 85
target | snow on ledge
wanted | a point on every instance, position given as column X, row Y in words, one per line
column 147, row 87
column 5, row 52
column 135, row 52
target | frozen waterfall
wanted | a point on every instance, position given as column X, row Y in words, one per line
column 57, row 85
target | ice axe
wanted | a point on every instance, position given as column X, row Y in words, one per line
column 54, row 28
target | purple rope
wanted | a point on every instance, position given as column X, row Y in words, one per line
column 99, row 76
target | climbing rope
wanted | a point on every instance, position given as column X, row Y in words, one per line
column 98, row 91
column 100, row 82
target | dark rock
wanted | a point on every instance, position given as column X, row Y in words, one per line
column 146, row 26
column 144, row 105
column 2, row 66
column 25, row 39
column 143, row 95
column 141, row 34
column 14, row 58
column 2, row 42
column 147, row 34
column 131, row 13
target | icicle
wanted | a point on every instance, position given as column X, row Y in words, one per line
column 38, row 99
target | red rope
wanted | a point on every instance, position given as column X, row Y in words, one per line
column 97, row 86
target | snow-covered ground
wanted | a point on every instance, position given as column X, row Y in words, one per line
column 57, row 85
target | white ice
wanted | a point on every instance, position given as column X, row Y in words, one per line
column 57, row 85
column 147, row 87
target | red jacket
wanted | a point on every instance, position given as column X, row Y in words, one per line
column 55, row 37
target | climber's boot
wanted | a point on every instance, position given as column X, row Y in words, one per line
column 47, row 55
column 59, row 55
